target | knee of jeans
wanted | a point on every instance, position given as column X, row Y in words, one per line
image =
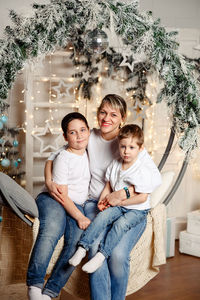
column 51, row 229
column 91, row 209
column 118, row 262
column 122, row 224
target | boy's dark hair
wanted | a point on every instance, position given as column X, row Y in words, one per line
column 134, row 131
column 70, row 117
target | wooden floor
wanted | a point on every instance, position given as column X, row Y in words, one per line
column 179, row 279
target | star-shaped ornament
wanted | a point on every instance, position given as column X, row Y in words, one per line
column 63, row 89
column 139, row 110
column 130, row 59
column 86, row 76
column 45, row 136
column 127, row 59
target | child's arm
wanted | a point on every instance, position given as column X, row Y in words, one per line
column 103, row 204
column 136, row 199
column 115, row 198
column 54, row 189
column 74, row 212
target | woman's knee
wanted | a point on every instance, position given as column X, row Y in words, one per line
column 118, row 263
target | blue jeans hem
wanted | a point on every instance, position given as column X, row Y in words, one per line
column 50, row 293
column 39, row 285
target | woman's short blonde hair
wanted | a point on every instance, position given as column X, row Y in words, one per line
column 114, row 101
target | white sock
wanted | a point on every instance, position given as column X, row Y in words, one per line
column 34, row 293
column 77, row 257
column 46, row 297
column 93, row 264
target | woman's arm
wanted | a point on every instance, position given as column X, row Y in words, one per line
column 73, row 211
column 54, row 189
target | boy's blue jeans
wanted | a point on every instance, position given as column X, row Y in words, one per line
column 109, row 282
column 119, row 220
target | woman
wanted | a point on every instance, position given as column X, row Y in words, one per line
column 110, row 281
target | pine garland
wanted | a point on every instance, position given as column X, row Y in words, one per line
column 60, row 22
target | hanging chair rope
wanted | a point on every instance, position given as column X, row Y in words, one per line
column 168, row 149
column 178, row 180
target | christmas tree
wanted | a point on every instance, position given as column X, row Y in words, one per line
column 10, row 161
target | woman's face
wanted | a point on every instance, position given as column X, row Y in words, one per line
column 109, row 120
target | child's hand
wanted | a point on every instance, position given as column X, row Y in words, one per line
column 83, row 222
column 102, row 205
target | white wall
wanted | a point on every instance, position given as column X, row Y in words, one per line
column 183, row 15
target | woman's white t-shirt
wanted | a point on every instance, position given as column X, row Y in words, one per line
column 101, row 153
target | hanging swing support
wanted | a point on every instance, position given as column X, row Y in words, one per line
column 182, row 170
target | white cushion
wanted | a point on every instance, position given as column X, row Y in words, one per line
column 158, row 195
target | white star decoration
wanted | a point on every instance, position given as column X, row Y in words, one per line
column 139, row 110
column 62, row 89
column 127, row 53
column 135, row 58
column 86, row 76
column 47, row 131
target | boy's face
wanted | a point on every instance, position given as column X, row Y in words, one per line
column 77, row 135
column 129, row 149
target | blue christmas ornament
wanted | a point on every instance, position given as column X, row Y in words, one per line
column 1, row 125
column 15, row 163
column 4, row 119
column 15, row 143
column 1, row 141
column 5, row 162
column 19, row 160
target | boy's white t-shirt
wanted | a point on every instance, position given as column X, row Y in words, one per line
column 72, row 170
column 101, row 153
column 143, row 174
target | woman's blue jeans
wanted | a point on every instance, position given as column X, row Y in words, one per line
column 108, row 283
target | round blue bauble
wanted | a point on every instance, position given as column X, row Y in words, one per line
column 15, row 163
column 15, row 143
column 1, row 141
column 1, row 125
column 5, row 162
column 19, row 160
column 4, row 119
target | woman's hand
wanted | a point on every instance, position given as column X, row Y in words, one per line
column 55, row 190
column 83, row 222
column 114, row 199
